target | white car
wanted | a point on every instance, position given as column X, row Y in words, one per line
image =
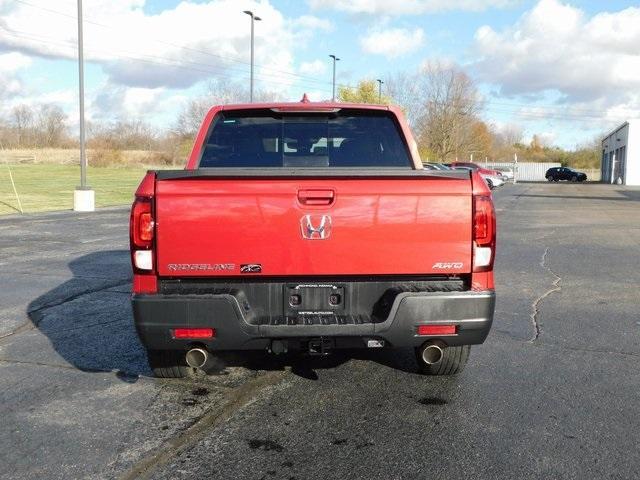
column 493, row 181
column 507, row 172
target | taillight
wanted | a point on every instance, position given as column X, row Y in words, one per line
column 141, row 223
column 484, row 233
column 141, row 232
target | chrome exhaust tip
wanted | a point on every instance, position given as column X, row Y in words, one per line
column 432, row 353
column 197, row 357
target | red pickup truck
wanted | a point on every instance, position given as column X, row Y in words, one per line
column 310, row 227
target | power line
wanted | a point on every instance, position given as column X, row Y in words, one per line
column 215, row 70
column 183, row 47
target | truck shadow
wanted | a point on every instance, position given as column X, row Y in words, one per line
column 306, row 366
column 89, row 323
column 87, row 319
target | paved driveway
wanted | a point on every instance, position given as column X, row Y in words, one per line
column 552, row 393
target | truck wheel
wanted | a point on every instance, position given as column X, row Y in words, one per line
column 167, row 363
column 452, row 361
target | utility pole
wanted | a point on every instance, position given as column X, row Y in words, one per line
column 83, row 196
column 333, row 90
column 380, row 82
column 253, row 20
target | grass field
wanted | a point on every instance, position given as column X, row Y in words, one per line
column 50, row 187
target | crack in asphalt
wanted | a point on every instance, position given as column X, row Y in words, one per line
column 36, row 312
column 535, row 306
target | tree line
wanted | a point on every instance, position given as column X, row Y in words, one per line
column 444, row 108
column 441, row 102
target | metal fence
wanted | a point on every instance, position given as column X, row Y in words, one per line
column 526, row 171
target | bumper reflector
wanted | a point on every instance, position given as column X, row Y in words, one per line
column 436, row 329
column 194, row 333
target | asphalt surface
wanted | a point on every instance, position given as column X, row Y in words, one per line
column 553, row 393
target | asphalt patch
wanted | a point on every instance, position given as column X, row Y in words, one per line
column 432, row 401
column 265, row 445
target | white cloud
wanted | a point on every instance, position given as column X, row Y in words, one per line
column 311, row 22
column 407, row 7
column 10, row 82
column 118, row 102
column 313, row 68
column 393, row 42
column 141, row 50
column 556, row 47
column 10, row 62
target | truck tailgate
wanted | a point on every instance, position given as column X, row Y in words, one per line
column 353, row 226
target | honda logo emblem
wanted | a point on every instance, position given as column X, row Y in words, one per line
column 315, row 227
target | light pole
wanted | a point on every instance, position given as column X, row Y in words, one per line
column 380, row 82
column 333, row 90
column 253, row 20
column 83, row 196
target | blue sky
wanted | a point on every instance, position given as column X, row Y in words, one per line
column 566, row 70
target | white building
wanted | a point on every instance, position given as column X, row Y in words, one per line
column 621, row 155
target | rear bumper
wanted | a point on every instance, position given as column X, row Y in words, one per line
column 157, row 315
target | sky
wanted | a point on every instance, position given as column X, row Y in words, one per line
column 564, row 70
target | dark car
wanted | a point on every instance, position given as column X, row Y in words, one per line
column 565, row 173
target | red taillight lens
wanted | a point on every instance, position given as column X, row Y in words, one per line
column 484, row 233
column 183, row 333
column 484, row 221
column 436, row 329
column 142, row 224
column 145, row 227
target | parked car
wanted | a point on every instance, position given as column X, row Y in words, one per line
column 436, row 166
column 564, row 173
column 491, row 180
column 254, row 246
column 507, row 172
column 476, row 167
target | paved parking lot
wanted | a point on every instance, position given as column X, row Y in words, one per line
column 553, row 393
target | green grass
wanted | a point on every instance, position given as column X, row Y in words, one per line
column 44, row 187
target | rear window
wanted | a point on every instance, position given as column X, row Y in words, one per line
column 268, row 139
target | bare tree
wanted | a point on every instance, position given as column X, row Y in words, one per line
column 22, row 120
column 218, row 93
column 442, row 104
column 123, row 135
column 51, row 127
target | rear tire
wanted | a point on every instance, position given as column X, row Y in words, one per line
column 453, row 361
column 550, row 178
column 167, row 363
column 574, row 179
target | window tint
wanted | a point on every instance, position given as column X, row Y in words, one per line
column 268, row 139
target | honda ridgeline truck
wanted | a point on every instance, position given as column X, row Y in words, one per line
column 310, row 227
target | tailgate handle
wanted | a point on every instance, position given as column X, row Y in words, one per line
column 316, row 197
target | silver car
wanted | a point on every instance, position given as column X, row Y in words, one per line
column 507, row 172
column 493, row 181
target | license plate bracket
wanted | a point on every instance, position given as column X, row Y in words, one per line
column 314, row 299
